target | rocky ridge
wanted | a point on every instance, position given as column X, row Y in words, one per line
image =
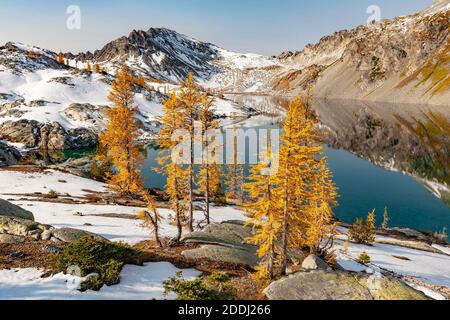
column 405, row 59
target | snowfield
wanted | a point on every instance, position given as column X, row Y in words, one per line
column 136, row 283
column 43, row 85
column 428, row 267
column 13, row 185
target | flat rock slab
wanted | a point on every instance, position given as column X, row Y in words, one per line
column 223, row 254
column 228, row 234
column 7, row 209
column 329, row 285
column 313, row 262
column 223, row 242
column 10, row 239
column 70, row 235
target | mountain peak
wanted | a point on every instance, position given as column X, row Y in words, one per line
column 153, row 30
column 158, row 53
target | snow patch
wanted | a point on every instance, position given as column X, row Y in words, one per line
column 136, row 283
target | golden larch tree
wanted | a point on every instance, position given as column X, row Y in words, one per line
column 264, row 211
column 322, row 227
column 292, row 209
column 297, row 160
column 121, row 149
column 190, row 100
column 151, row 217
column 121, row 136
column 140, row 81
column 209, row 180
column 10, row 47
column 30, row 54
column 177, row 183
column 97, row 68
column 60, row 58
column 371, row 225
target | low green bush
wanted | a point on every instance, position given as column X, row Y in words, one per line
column 364, row 258
column 100, row 257
column 217, row 286
column 52, row 194
column 363, row 231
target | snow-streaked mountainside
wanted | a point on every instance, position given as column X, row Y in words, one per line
column 169, row 56
column 36, row 90
column 406, row 59
column 401, row 60
column 161, row 54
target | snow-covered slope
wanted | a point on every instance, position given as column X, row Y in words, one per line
column 243, row 73
column 38, row 88
column 34, row 87
column 18, row 186
column 136, row 283
column 113, row 222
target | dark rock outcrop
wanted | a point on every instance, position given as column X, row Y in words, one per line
column 53, row 137
column 7, row 209
column 313, row 262
column 48, row 136
column 9, row 239
column 82, row 138
column 13, row 102
column 17, row 229
column 223, row 254
column 229, row 234
column 26, row 132
column 22, row 227
column 8, row 155
column 404, row 59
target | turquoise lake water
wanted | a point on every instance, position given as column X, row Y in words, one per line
column 362, row 187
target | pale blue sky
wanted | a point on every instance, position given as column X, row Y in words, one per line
column 260, row 26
